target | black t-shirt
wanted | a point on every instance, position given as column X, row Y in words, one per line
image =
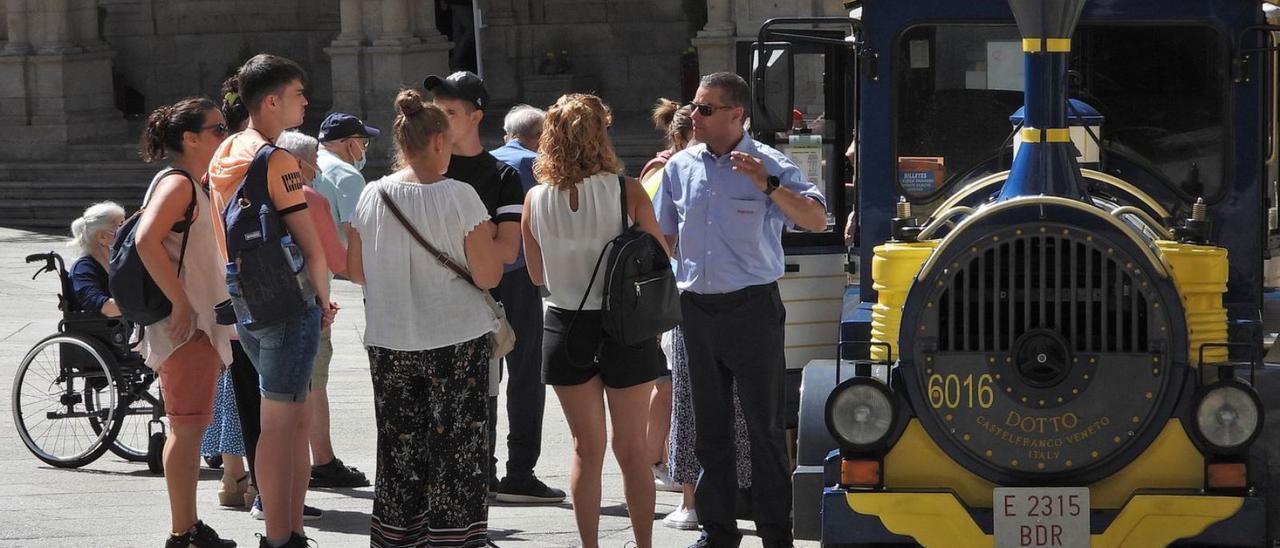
column 497, row 183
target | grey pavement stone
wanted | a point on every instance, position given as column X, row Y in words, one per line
column 113, row 503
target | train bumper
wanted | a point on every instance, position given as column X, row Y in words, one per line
column 940, row 519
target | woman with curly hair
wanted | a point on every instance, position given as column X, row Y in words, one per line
column 568, row 218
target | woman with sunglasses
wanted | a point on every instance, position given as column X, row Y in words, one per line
column 176, row 242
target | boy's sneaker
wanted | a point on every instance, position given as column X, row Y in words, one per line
column 337, row 474
column 309, row 513
column 527, row 490
column 295, row 541
column 200, row 536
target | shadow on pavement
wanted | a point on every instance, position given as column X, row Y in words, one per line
column 342, row 521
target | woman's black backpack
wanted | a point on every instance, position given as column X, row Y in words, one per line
column 140, row 300
column 640, row 297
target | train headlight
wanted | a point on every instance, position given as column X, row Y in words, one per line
column 861, row 413
column 1228, row 416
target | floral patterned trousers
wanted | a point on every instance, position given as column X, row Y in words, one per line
column 432, row 449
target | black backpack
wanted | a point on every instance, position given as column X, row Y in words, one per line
column 140, row 300
column 265, row 274
column 640, row 296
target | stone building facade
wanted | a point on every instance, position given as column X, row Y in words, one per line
column 71, row 69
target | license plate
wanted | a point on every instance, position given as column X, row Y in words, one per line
column 1041, row 517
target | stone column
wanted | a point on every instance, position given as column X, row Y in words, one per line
column 715, row 42
column 57, row 28
column 86, row 26
column 352, row 24
column 395, row 24
column 500, row 42
column 16, row 19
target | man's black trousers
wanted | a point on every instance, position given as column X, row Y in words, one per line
column 526, row 395
column 730, row 336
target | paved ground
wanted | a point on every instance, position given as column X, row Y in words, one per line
column 113, row 503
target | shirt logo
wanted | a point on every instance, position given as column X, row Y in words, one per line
column 293, row 181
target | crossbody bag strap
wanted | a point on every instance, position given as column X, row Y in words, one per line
column 439, row 255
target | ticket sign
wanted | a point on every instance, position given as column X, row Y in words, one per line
column 920, row 175
column 1041, row 517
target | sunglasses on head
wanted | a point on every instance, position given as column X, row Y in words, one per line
column 707, row 110
column 220, row 130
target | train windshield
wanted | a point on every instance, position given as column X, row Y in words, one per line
column 1161, row 90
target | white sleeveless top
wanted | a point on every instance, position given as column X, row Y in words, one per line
column 571, row 241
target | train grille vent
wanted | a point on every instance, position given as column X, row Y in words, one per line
column 1065, row 284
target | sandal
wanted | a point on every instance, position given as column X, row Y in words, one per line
column 235, row 498
column 250, row 493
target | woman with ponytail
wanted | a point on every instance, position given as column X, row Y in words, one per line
column 175, row 240
column 427, row 334
column 93, row 233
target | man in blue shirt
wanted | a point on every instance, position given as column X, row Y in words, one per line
column 526, row 395
column 723, row 205
column 344, row 148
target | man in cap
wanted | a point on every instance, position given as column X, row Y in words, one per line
column 463, row 97
column 344, row 150
column 344, row 141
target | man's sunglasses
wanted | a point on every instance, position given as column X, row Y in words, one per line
column 707, row 110
column 220, row 130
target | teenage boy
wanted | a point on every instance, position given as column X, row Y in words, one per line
column 282, row 352
column 463, row 97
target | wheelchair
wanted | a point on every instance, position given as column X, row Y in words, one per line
column 84, row 390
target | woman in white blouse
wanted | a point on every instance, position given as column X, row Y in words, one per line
column 427, row 334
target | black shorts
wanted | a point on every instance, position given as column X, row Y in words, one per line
column 572, row 360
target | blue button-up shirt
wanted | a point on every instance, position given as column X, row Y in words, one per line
column 730, row 233
column 517, row 156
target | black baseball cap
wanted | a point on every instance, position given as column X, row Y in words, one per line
column 463, row 85
column 340, row 125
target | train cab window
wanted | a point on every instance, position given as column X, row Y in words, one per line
column 1161, row 89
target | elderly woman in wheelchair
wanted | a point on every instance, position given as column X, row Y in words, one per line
column 83, row 390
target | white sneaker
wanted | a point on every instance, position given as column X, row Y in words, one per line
column 685, row 519
column 662, row 479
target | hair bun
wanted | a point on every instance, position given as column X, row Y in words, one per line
column 409, row 102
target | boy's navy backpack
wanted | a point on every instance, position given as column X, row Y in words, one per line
column 140, row 300
column 265, row 274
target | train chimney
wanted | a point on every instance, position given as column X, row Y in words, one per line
column 1045, row 163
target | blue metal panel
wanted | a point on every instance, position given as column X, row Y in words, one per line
column 1237, row 219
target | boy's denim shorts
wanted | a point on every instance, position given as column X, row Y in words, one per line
column 284, row 354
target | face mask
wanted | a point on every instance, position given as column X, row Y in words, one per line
column 364, row 159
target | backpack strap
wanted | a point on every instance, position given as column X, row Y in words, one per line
column 189, row 216
column 622, row 184
column 254, row 185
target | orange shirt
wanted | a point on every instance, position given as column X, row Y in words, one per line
column 231, row 164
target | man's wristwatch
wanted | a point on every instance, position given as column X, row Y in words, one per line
column 772, row 184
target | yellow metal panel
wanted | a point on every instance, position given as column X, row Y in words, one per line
column 1058, row 135
column 1058, row 45
column 1030, row 135
column 932, row 519
column 1031, row 45
column 1200, row 273
column 1171, row 462
column 1158, row 520
column 938, row 519
column 893, row 270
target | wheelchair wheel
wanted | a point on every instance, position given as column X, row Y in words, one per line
column 61, row 382
column 139, row 401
